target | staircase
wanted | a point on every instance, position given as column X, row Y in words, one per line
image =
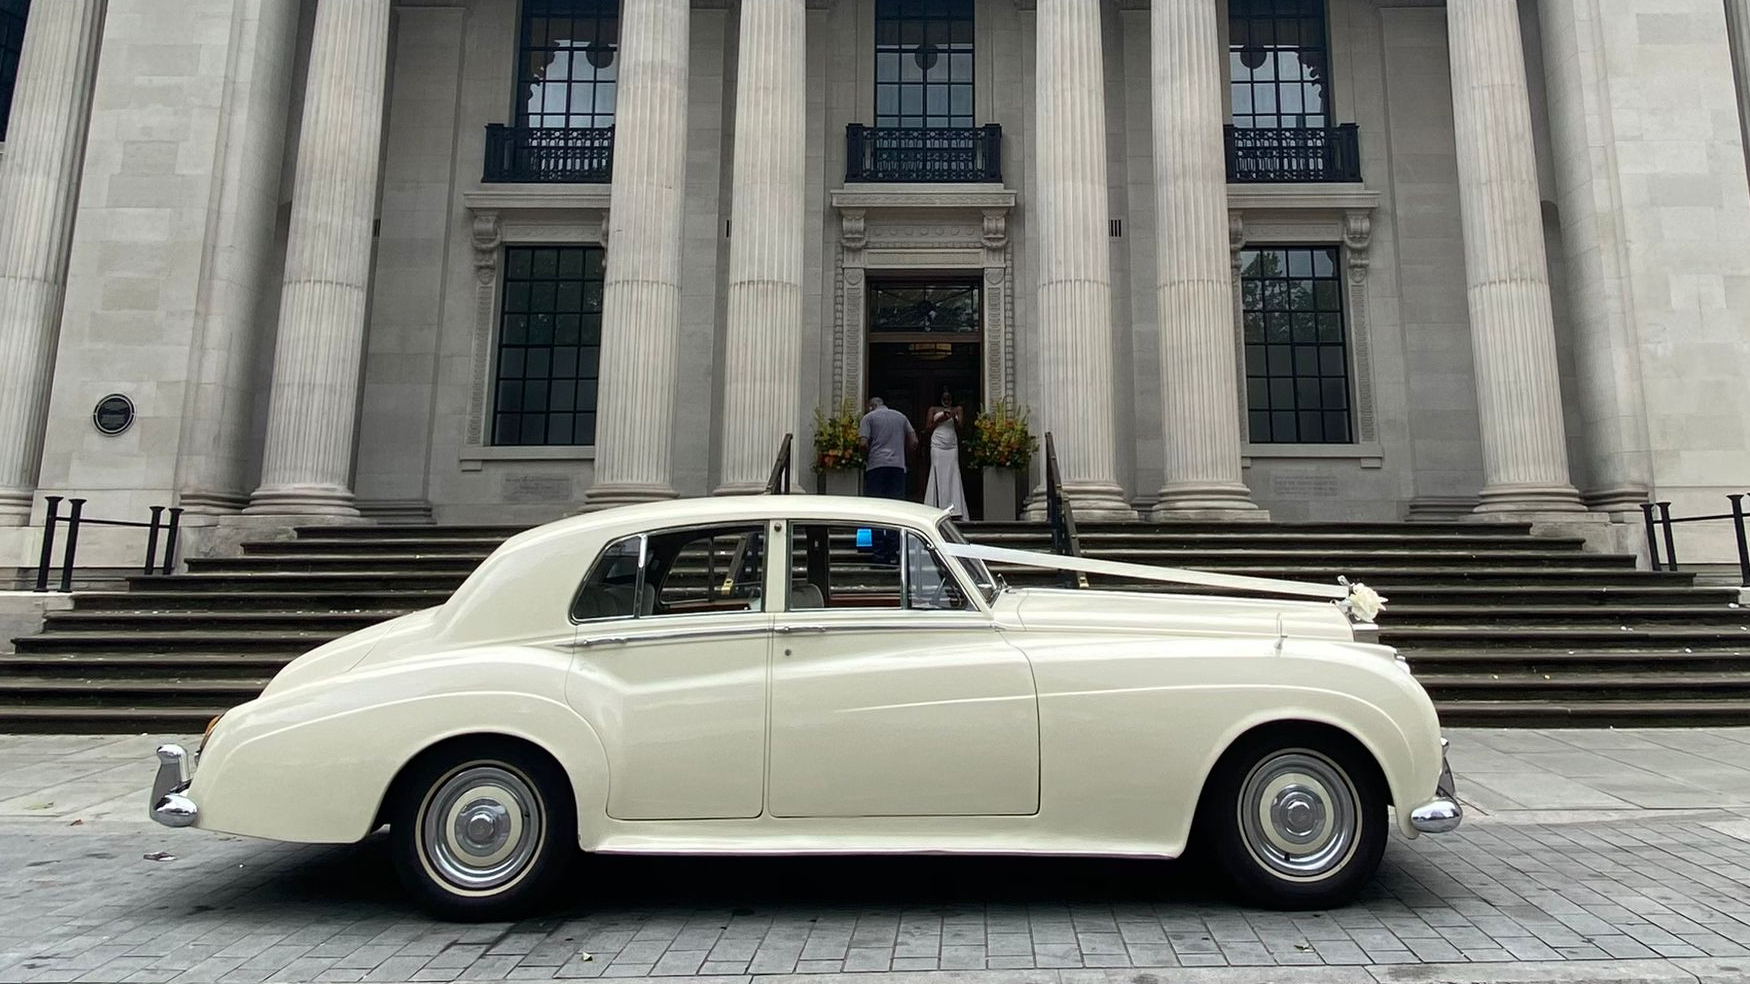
column 1502, row 628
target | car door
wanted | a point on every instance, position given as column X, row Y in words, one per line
column 671, row 659
column 893, row 693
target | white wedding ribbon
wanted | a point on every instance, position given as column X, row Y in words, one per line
column 1148, row 572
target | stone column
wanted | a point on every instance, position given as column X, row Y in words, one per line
column 762, row 364
column 211, row 469
column 1194, row 269
column 1738, row 33
column 1519, row 400
column 641, row 298
column 312, row 410
column 1075, row 291
column 39, row 185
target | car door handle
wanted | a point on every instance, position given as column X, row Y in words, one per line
column 801, row 628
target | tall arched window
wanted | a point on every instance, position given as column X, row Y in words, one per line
column 11, row 43
column 568, row 67
column 923, row 63
column 1279, row 64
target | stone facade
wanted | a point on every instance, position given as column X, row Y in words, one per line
column 1543, row 268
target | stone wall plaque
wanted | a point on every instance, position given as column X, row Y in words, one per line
column 113, row 414
column 1303, row 485
column 538, row 488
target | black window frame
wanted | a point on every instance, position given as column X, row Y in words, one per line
column 520, row 296
column 13, row 14
column 1269, row 19
column 1292, row 364
column 903, row 28
column 536, row 37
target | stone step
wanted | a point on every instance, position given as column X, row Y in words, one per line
column 115, row 689
column 1559, row 662
column 1400, row 615
column 183, row 665
column 287, row 642
column 160, row 715
column 383, row 603
column 77, row 620
column 1513, row 637
column 1620, row 712
column 1463, row 530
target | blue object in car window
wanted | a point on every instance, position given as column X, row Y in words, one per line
column 865, row 539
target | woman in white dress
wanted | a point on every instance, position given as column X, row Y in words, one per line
column 942, row 423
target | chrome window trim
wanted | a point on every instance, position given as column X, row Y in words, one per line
column 669, row 634
column 976, row 597
column 765, row 528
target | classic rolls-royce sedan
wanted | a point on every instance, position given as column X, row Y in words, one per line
column 816, row 675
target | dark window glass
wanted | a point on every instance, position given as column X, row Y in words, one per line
column 568, row 65
column 1278, row 64
column 11, row 43
column 1297, row 360
column 923, row 63
column 549, row 345
column 924, row 307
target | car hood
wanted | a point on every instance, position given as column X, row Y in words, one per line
column 1096, row 610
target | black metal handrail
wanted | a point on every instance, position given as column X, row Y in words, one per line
column 1293, row 154
column 936, row 153
column 778, row 482
column 171, row 529
column 1061, row 516
column 1663, row 521
column 548, row 154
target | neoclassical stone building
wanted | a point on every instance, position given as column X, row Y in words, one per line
column 498, row 260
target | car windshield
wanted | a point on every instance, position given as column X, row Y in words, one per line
column 988, row 584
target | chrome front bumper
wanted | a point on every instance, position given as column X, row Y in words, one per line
column 168, row 805
column 1442, row 813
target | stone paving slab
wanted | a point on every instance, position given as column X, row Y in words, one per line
column 1541, row 888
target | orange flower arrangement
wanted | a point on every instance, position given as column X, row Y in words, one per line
column 835, row 438
column 1001, row 437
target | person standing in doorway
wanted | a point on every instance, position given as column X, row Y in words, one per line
column 945, row 490
column 887, row 439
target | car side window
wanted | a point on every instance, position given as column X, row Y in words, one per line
column 928, row 584
column 613, row 588
column 721, row 569
column 836, row 566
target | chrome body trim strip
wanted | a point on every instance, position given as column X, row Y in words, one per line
column 168, row 805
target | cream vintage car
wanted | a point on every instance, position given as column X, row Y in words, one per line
column 819, row 675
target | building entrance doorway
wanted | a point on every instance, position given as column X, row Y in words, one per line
column 924, row 337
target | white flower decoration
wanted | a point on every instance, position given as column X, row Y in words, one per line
column 1363, row 604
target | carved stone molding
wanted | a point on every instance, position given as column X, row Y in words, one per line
column 922, row 227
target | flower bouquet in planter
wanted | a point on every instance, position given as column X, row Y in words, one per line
column 838, row 458
column 1003, row 445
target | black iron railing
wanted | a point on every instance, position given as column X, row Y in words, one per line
column 165, row 522
column 778, row 482
column 924, row 154
column 548, row 154
column 1659, row 520
column 1293, row 154
column 1061, row 517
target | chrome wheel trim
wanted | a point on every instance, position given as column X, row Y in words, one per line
column 1299, row 815
column 480, row 828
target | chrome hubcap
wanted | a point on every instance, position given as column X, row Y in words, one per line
column 481, row 827
column 1299, row 814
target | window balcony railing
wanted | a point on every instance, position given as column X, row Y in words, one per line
column 923, row 154
column 548, row 154
column 1290, row 154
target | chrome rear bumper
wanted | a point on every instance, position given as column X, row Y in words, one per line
column 168, row 805
column 1442, row 813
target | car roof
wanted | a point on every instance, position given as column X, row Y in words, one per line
column 718, row 509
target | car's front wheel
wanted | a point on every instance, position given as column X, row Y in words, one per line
column 482, row 829
column 1296, row 821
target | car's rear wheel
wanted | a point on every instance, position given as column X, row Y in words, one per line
column 1296, row 821
column 482, row 829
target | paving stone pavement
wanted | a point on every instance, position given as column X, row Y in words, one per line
column 1547, row 880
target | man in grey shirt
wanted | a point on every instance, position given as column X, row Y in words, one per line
column 887, row 439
